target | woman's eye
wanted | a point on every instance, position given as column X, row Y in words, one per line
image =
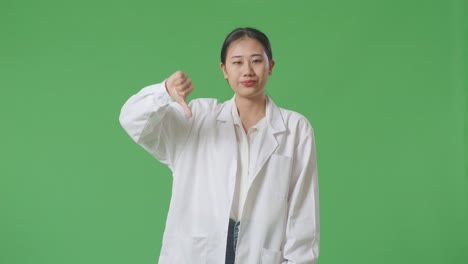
column 236, row 62
column 257, row 61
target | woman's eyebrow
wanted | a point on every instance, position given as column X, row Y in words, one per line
column 240, row 56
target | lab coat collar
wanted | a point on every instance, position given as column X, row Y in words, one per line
column 273, row 115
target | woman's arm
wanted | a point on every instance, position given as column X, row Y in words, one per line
column 156, row 122
column 302, row 230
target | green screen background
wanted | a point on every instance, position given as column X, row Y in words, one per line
column 382, row 82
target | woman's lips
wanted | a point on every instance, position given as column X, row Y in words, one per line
column 248, row 83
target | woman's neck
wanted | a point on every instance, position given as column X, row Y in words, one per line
column 251, row 110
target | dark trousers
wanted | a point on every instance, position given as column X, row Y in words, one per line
column 233, row 234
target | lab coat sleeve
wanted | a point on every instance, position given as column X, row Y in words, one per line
column 157, row 123
column 302, row 231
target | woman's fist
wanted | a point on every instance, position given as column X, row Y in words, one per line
column 179, row 86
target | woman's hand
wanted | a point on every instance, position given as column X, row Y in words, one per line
column 179, row 86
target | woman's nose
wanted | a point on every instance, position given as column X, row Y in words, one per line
column 248, row 70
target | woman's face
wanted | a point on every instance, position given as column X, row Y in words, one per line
column 247, row 68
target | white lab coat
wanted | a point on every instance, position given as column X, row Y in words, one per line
column 280, row 221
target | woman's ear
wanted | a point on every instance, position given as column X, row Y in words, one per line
column 223, row 68
column 272, row 64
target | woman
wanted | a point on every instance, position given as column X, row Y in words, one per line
column 245, row 181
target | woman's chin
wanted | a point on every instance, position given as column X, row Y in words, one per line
column 249, row 92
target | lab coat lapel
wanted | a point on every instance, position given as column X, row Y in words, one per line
column 272, row 130
column 227, row 138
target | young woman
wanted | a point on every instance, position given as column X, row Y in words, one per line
column 245, row 185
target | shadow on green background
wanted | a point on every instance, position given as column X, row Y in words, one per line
column 382, row 82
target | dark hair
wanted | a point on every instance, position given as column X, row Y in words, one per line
column 239, row 33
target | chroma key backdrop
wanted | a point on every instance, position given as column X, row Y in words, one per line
column 384, row 84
